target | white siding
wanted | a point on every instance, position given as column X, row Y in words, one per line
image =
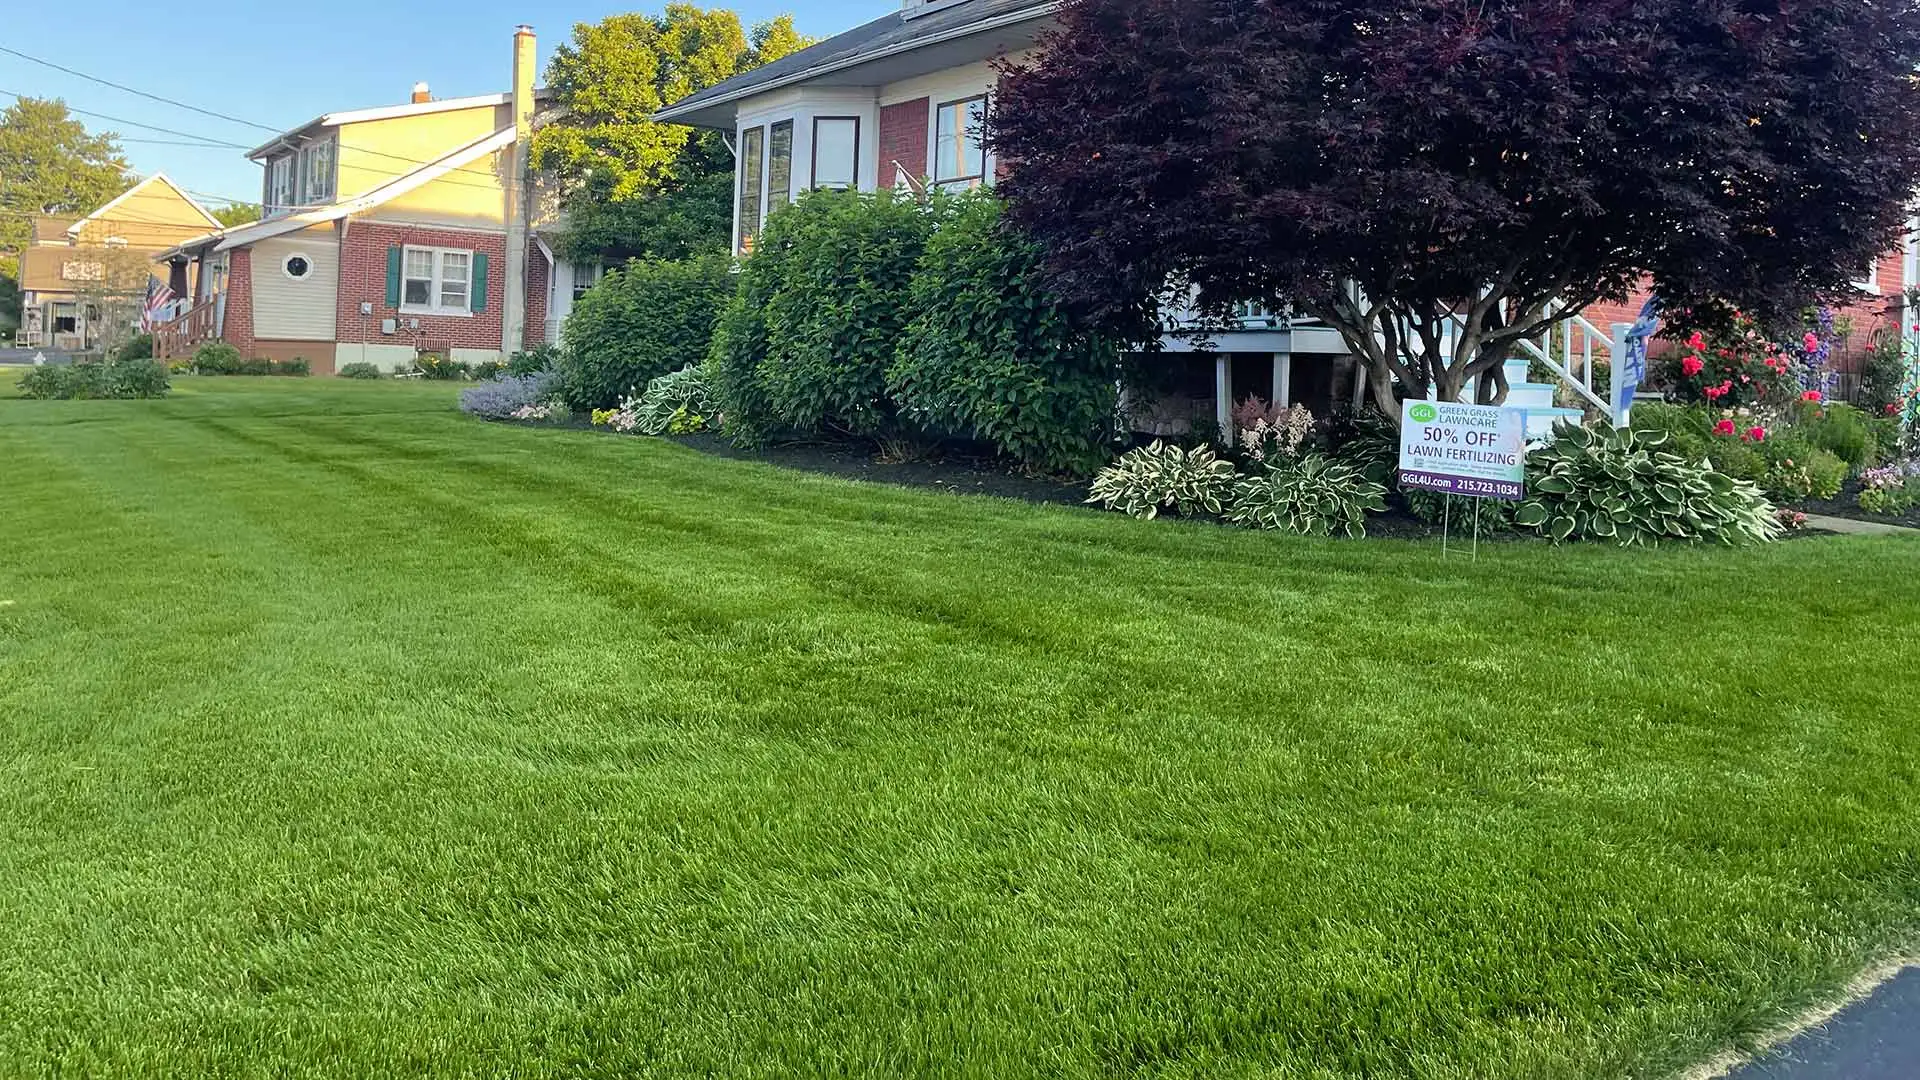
column 289, row 310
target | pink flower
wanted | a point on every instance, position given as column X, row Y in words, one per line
column 1811, row 395
column 1691, row 366
column 1758, row 434
column 1811, row 343
column 1724, row 427
column 1697, row 342
column 1746, row 378
column 1893, row 407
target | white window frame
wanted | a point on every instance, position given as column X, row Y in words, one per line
column 435, row 284
column 308, row 193
column 280, row 184
column 1870, row 283
column 288, row 258
column 813, row 165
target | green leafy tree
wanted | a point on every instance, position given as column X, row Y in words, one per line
column 632, row 187
column 49, row 164
column 236, row 213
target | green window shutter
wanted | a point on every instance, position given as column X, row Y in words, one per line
column 479, row 281
column 393, row 277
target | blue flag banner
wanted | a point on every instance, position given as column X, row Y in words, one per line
column 1633, row 369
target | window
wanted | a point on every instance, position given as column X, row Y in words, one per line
column 316, row 174
column 280, row 183
column 436, row 281
column 836, row 151
column 64, row 320
column 297, row 266
column 586, row 276
column 960, row 158
column 1871, row 282
column 779, row 165
column 752, row 145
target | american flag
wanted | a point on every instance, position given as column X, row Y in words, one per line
column 159, row 295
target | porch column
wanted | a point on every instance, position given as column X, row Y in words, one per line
column 1282, row 378
column 1223, row 397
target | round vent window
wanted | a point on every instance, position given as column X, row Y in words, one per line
column 297, row 267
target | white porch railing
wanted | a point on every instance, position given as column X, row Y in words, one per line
column 1569, row 350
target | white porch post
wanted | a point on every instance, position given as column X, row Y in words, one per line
column 1618, row 357
column 1282, row 378
column 1222, row 400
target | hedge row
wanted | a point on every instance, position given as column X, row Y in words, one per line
column 868, row 316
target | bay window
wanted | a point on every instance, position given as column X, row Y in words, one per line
column 836, row 151
column 752, row 146
column 779, row 165
column 315, row 165
column 960, row 157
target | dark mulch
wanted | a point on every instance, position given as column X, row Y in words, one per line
column 943, row 469
column 957, row 470
column 1846, row 505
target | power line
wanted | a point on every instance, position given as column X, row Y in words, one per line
column 206, row 112
column 173, row 142
column 138, row 124
column 139, row 93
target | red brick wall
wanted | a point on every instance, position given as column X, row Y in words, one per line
column 538, row 273
column 363, row 278
column 903, row 138
column 237, row 329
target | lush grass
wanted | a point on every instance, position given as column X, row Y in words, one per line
column 343, row 735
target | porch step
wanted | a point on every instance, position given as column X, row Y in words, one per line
column 1539, row 422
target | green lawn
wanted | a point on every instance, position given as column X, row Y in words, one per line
column 341, row 735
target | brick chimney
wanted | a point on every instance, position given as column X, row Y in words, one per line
column 421, row 94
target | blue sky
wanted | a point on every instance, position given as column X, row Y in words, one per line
column 219, row 55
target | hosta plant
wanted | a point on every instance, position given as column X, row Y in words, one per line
column 675, row 404
column 1312, row 495
column 1625, row 486
column 1158, row 477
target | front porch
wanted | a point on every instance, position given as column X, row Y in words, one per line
column 191, row 327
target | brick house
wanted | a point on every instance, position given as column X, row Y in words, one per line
column 897, row 102
column 387, row 233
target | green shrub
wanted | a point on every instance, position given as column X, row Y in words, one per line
column 678, row 403
column 991, row 354
column 1366, row 440
column 440, row 368
column 216, row 358
column 1592, row 483
column 1731, row 457
column 1311, row 495
column 488, row 369
column 1891, row 489
column 296, row 366
column 140, row 377
column 358, row 369
column 542, row 357
column 823, row 302
column 1798, row 470
column 1147, row 480
column 1883, row 374
column 1840, row 429
column 137, row 347
column 1492, row 515
column 639, row 323
column 256, row 365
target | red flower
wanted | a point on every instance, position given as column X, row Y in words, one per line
column 1697, row 342
column 1758, row 434
column 1811, row 395
column 1724, row 427
column 1691, row 366
column 1893, row 408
